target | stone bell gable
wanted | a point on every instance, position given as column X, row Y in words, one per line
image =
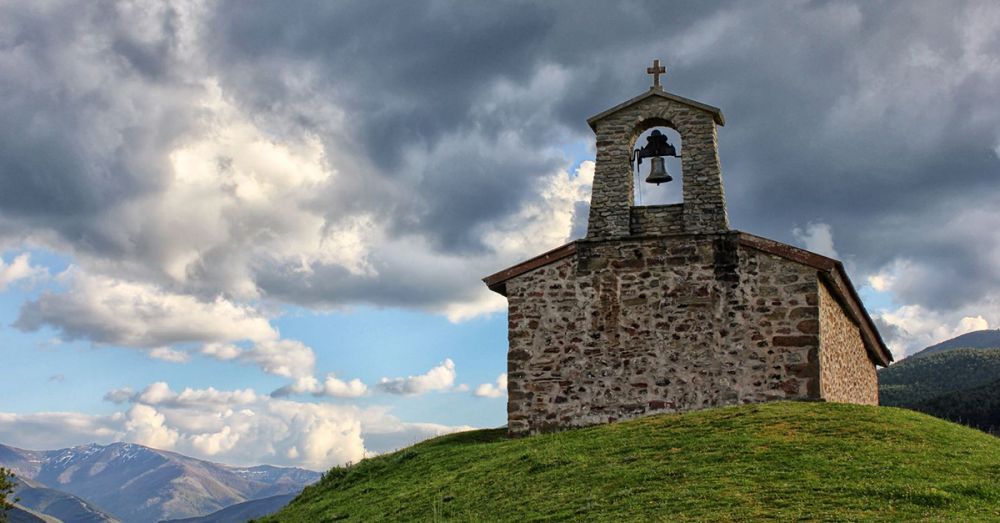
column 665, row 309
column 612, row 214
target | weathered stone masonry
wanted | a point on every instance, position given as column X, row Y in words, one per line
column 627, row 328
column 664, row 309
column 847, row 374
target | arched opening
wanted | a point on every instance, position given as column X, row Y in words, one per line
column 664, row 193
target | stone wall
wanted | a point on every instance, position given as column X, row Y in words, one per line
column 613, row 188
column 657, row 220
column 847, row 372
column 632, row 327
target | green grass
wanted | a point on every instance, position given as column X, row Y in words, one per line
column 771, row 462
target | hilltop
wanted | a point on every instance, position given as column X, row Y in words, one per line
column 781, row 461
column 984, row 339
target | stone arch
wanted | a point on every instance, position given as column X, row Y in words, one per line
column 667, row 194
column 646, row 124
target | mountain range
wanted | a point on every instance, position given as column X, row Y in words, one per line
column 137, row 484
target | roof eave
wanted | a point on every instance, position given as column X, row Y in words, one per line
column 497, row 282
column 714, row 111
column 836, row 277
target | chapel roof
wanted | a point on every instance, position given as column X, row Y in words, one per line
column 657, row 92
column 831, row 271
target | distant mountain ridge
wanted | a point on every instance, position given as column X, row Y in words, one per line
column 984, row 339
column 957, row 380
column 913, row 380
column 138, row 484
column 59, row 505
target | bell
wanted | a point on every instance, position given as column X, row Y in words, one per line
column 658, row 172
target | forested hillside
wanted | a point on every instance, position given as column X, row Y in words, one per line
column 961, row 385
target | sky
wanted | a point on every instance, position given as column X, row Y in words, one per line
column 256, row 232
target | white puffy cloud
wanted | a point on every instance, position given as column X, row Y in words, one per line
column 331, row 386
column 20, row 268
column 168, row 354
column 287, row 358
column 912, row 328
column 214, row 443
column 52, row 430
column 154, row 394
column 221, row 351
column 160, row 393
column 135, row 314
column 385, row 433
column 109, row 311
column 816, row 237
column 338, row 388
column 439, row 378
column 237, row 427
column 146, row 426
column 489, row 390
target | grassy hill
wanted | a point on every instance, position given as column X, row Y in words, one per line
column 779, row 461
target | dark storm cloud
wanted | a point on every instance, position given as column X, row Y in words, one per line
column 87, row 113
column 443, row 118
column 854, row 114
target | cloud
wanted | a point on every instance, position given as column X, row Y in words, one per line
column 488, row 390
column 170, row 355
column 159, row 393
column 221, row 351
column 139, row 315
column 238, row 427
column 146, row 426
column 207, row 194
column 293, row 170
column 119, row 396
column 19, row 269
column 911, row 328
column 109, row 311
column 439, row 378
column 816, row 237
column 288, row 358
column 343, row 389
column 51, row 430
column 331, row 387
column 386, row 433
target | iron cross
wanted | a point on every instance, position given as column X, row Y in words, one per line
column 656, row 71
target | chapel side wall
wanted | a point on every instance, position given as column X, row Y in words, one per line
column 633, row 327
column 847, row 373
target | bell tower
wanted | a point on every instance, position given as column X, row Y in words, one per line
column 612, row 213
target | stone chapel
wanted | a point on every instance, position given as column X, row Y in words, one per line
column 666, row 309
